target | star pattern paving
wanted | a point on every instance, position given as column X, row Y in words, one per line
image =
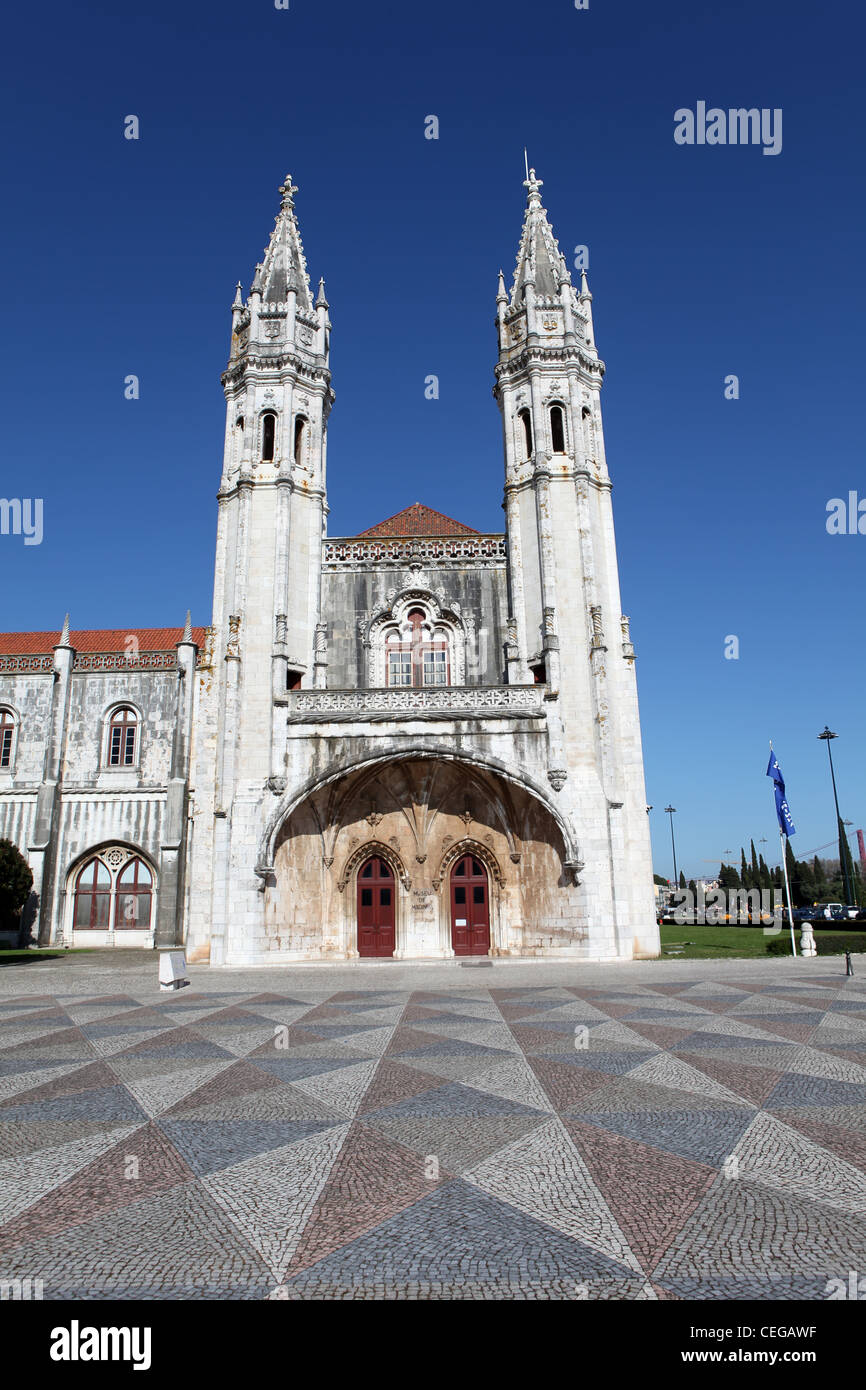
column 697, row 1138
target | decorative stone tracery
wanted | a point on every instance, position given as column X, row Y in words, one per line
column 456, row 849
column 371, row 849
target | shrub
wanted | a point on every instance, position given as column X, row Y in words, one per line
column 828, row 943
column 16, row 880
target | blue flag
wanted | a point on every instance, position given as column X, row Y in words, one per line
column 786, row 825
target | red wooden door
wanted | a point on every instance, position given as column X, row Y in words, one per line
column 470, row 907
column 376, row 891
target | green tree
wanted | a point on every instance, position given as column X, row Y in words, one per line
column 16, row 881
column 745, row 876
column 682, row 879
column 846, row 863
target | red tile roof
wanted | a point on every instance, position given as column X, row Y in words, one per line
column 150, row 639
column 419, row 520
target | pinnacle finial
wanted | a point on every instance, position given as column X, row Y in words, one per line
column 584, row 285
column 238, row 299
column 321, row 301
column 501, row 293
column 288, row 190
column 533, row 186
column 187, row 630
column 64, row 636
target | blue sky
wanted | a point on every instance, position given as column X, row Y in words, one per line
column 121, row 257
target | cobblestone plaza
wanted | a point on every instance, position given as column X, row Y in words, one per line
column 663, row 1130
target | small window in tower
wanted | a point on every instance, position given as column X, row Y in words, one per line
column 300, row 425
column 526, row 420
column 539, row 673
column 293, row 679
column 239, row 422
column 557, row 429
column 585, row 413
column 269, row 434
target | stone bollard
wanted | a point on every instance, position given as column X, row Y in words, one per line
column 172, row 968
column 807, row 941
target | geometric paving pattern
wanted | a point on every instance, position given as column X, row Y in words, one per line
column 699, row 1137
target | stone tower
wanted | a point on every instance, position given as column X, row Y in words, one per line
column 566, row 627
column 271, row 520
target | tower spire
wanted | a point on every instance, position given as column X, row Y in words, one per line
column 284, row 268
column 539, row 259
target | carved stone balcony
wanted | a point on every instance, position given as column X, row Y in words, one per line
column 439, row 703
column 433, row 552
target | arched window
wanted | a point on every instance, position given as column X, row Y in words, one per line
column 557, row 429
column 300, row 426
column 122, row 744
column 7, row 737
column 133, row 895
column 419, row 655
column 113, row 891
column 269, row 435
column 93, row 896
column 239, row 422
column 526, row 420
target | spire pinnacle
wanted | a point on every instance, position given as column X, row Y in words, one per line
column 64, row 636
column 239, row 298
column 321, row 301
column 539, row 259
column 284, row 268
column 187, row 630
column 533, row 187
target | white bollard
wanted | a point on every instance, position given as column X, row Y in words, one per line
column 172, row 968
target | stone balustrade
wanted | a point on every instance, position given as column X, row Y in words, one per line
column 445, row 702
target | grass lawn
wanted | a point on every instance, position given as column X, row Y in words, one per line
column 714, row 943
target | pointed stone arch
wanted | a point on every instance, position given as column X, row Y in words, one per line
column 468, row 845
column 415, row 748
column 369, row 850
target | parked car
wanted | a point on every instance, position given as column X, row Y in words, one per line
column 834, row 912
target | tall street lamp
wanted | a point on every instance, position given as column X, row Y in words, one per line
column 827, row 736
column 670, row 810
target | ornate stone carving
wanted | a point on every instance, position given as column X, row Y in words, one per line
column 281, row 629
column 597, row 630
column 382, row 851
column 457, row 849
column 492, row 701
column 277, row 785
column 627, row 644
column 433, row 551
column 232, row 648
column 557, row 777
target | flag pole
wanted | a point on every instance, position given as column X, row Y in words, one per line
column 784, row 843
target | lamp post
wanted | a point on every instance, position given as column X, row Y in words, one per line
column 670, row 811
column 827, row 735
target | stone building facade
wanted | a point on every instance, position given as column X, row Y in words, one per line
column 418, row 742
